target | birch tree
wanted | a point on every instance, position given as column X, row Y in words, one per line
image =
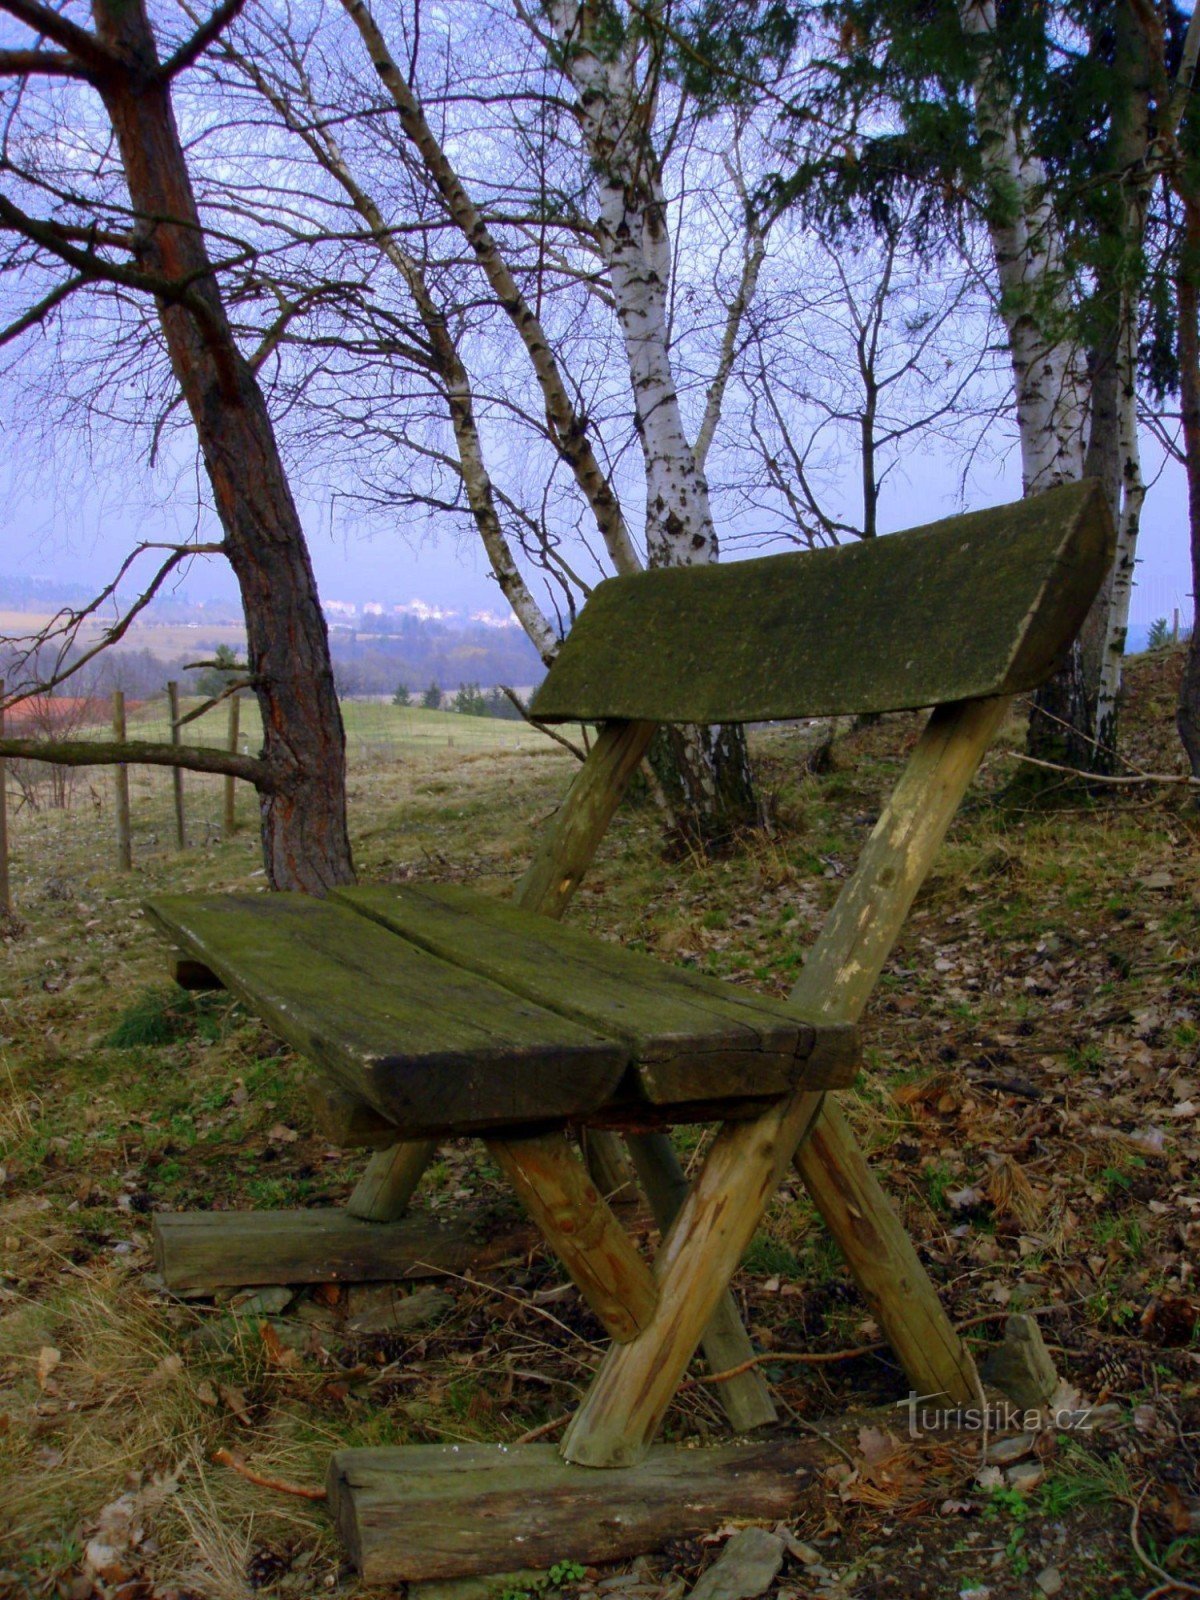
column 1042, row 123
column 543, row 252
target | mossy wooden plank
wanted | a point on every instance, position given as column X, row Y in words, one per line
column 453, row 1511
column 691, row 1037
column 345, row 1120
column 199, row 1251
column 433, row 1048
column 981, row 604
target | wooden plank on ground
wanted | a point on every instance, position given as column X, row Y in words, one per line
column 692, row 1037
column 451, row 1511
column 982, row 604
column 198, row 1251
column 433, row 1048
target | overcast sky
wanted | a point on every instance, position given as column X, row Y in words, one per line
column 78, row 532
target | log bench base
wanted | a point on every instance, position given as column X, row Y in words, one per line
column 196, row 1252
column 457, row 1511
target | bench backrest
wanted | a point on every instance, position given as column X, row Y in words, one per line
column 975, row 605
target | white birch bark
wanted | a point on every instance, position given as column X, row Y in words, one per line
column 754, row 252
column 613, row 114
column 1049, row 376
column 1132, row 490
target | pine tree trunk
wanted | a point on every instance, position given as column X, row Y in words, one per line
column 305, row 842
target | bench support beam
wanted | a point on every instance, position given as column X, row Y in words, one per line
column 557, row 1191
column 746, row 1399
column 385, row 1188
column 630, row 1394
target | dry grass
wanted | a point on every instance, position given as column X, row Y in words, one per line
column 1035, row 955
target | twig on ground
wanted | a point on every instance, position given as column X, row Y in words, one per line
column 546, row 1427
column 1167, row 1581
column 819, row 1433
column 1122, row 778
column 800, row 1357
column 280, row 1485
column 511, row 694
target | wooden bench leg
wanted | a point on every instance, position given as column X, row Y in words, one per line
column 885, row 1265
column 609, row 1165
column 746, row 1399
column 385, row 1188
column 622, row 1410
column 556, row 1190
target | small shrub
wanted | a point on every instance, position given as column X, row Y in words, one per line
column 163, row 1016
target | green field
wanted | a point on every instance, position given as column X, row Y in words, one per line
column 373, row 728
column 382, row 741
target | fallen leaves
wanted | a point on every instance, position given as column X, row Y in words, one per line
column 120, row 1531
column 47, row 1361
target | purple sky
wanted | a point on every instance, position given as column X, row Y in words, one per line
column 59, row 534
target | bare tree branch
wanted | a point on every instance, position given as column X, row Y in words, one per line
column 542, row 727
column 97, row 268
column 66, row 626
column 207, row 33
column 143, row 753
column 208, row 705
column 83, row 44
column 46, row 63
column 38, row 313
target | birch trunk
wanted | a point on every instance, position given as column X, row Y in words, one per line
column 613, row 114
column 305, row 843
column 1119, row 590
column 704, row 772
column 1130, row 144
column 1188, row 297
column 1049, row 376
column 1075, row 715
column 1049, row 379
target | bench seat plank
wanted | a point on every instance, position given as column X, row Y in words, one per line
column 433, row 1048
column 692, row 1038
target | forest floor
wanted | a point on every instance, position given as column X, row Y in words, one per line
column 1031, row 1100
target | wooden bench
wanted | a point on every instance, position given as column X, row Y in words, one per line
column 433, row 1011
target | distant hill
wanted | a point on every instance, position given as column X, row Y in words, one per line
column 371, row 654
column 420, row 652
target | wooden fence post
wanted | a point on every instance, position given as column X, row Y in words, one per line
column 5, row 893
column 121, row 786
column 230, row 781
column 177, row 772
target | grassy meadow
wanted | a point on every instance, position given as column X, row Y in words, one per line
column 1031, row 1097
